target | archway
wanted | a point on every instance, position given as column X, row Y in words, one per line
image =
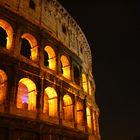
column 50, row 102
column 50, row 58
column 26, row 94
column 88, row 113
column 29, row 47
column 68, row 108
column 6, row 34
column 3, row 86
column 65, row 67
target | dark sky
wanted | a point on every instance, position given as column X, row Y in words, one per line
column 113, row 32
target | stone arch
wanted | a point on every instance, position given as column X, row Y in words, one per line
column 94, row 122
column 3, row 85
column 65, row 67
column 89, row 87
column 29, row 47
column 84, row 82
column 80, row 113
column 26, row 94
column 50, row 58
column 50, row 102
column 88, row 114
column 76, row 71
column 67, row 108
column 8, row 34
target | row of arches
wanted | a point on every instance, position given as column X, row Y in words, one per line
column 26, row 100
column 29, row 49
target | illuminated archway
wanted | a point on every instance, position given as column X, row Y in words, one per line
column 8, row 37
column 50, row 58
column 94, row 122
column 89, row 87
column 80, row 113
column 26, row 94
column 3, row 86
column 29, row 47
column 65, row 68
column 76, row 74
column 50, row 102
column 88, row 113
column 68, row 108
column 84, row 81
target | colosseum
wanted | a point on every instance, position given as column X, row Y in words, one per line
column 47, row 91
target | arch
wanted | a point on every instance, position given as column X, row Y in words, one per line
column 29, row 47
column 88, row 113
column 50, row 58
column 84, row 82
column 65, row 69
column 94, row 123
column 89, row 87
column 26, row 94
column 3, row 85
column 8, row 34
column 68, row 108
column 76, row 75
column 80, row 113
column 50, row 102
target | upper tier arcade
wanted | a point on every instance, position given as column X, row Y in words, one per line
column 50, row 15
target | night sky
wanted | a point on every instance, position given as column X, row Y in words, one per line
column 113, row 32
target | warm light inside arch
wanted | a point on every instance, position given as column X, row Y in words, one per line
column 94, row 122
column 68, row 108
column 34, row 47
column 65, row 66
column 88, row 113
column 84, row 81
column 50, row 102
column 89, row 87
column 52, row 57
column 7, row 27
column 80, row 113
column 3, row 85
column 26, row 94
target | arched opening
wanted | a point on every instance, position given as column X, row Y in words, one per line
column 89, row 87
column 6, row 34
column 49, row 58
column 94, row 122
column 84, row 82
column 29, row 47
column 88, row 113
column 3, row 86
column 80, row 113
column 68, row 108
column 26, row 94
column 76, row 75
column 65, row 69
column 25, row 48
column 3, row 38
column 50, row 102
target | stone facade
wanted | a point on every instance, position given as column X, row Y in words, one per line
column 46, row 84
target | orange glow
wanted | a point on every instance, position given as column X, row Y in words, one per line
column 65, row 66
column 84, row 81
column 3, row 85
column 80, row 115
column 50, row 102
column 88, row 113
column 33, row 43
column 68, row 108
column 94, row 123
column 7, row 27
column 26, row 95
column 52, row 57
column 89, row 86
